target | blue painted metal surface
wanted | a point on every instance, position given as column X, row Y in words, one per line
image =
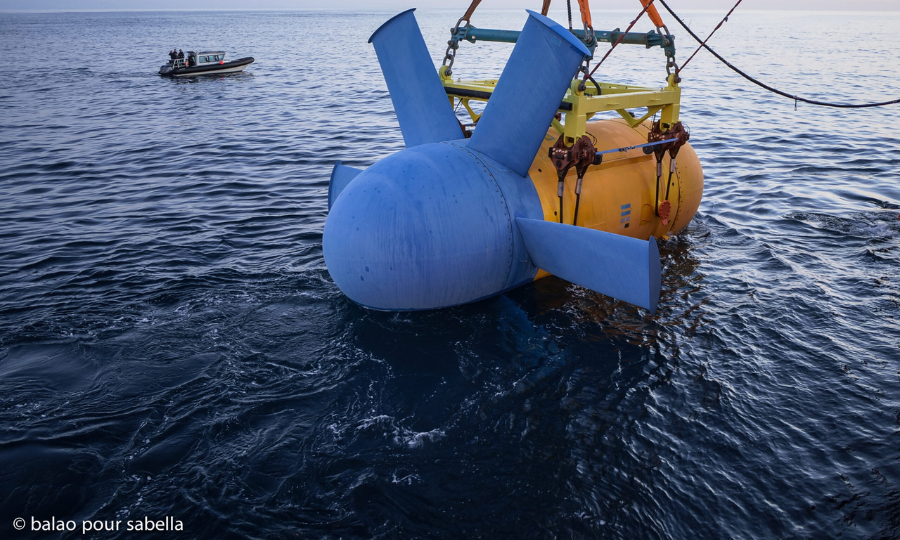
column 625, row 268
column 533, row 83
column 422, row 107
column 341, row 175
column 430, row 227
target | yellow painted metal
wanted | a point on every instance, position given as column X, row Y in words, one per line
column 618, row 195
column 578, row 106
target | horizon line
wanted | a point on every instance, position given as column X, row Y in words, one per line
column 389, row 10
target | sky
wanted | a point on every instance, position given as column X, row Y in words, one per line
column 396, row 5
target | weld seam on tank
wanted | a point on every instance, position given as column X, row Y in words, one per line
column 499, row 190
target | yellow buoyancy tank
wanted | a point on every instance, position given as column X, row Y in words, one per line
column 618, row 196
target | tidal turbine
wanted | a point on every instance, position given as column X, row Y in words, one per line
column 451, row 220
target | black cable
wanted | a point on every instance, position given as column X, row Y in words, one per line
column 577, row 202
column 658, row 176
column 569, row 8
column 669, row 181
column 560, row 208
column 764, row 85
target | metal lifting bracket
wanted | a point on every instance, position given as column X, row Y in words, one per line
column 671, row 140
column 581, row 155
column 580, row 105
column 581, row 102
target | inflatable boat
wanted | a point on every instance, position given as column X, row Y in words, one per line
column 203, row 63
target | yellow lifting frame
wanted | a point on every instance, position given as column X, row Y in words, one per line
column 578, row 107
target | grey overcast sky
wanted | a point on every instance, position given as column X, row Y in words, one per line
column 393, row 5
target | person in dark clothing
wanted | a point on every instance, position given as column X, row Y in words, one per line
column 173, row 54
column 180, row 54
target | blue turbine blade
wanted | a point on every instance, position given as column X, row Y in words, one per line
column 422, row 107
column 534, row 81
column 341, row 175
column 625, row 268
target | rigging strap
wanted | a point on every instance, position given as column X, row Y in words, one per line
column 469, row 12
column 764, row 85
column 585, row 14
column 653, row 13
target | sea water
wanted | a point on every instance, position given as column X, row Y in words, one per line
column 172, row 347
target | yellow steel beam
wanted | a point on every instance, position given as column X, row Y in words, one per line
column 579, row 106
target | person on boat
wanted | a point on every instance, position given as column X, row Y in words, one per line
column 180, row 54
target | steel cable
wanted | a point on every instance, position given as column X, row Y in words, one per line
column 766, row 86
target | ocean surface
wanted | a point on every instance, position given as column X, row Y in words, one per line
column 171, row 343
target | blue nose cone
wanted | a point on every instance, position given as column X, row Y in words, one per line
column 430, row 227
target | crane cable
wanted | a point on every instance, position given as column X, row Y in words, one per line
column 764, row 85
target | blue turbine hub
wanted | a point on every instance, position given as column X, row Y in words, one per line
column 430, row 227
